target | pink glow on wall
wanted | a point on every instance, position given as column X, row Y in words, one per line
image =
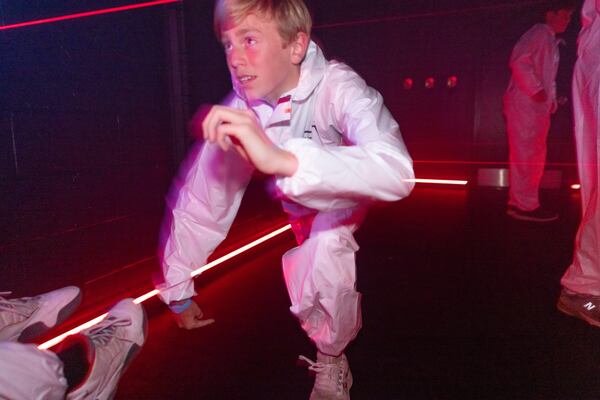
column 86, row 14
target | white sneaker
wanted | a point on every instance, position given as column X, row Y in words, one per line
column 112, row 345
column 27, row 317
column 333, row 377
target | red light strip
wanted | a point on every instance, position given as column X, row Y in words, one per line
column 492, row 163
column 438, row 181
column 53, row 342
column 60, row 338
column 240, row 250
column 576, row 186
column 87, row 14
column 466, row 11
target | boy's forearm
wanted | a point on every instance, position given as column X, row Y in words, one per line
column 288, row 163
column 201, row 207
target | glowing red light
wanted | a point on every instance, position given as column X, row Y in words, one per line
column 452, row 82
column 53, row 342
column 438, row 181
column 60, row 338
column 408, row 83
column 576, row 186
column 87, row 14
column 430, row 83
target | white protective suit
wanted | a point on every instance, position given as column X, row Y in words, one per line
column 27, row 373
column 534, row 63
column 350, row 153
column 583, row 276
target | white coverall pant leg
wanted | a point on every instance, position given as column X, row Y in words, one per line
column 320, row 275
column 583, row 276
column 527, row 124
column 27, row 373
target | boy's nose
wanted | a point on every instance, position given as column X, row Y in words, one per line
column 236, row 57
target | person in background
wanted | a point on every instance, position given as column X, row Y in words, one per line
column 580, row 295
column 529, row 101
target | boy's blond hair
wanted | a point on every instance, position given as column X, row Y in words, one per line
column 291, row 16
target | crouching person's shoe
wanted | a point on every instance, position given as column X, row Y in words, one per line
column 333, row 377
column 112, row 345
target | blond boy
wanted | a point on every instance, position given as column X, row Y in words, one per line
column 332, row 148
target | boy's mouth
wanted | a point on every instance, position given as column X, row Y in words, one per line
column 246, row 78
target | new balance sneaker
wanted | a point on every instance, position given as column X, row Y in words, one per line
column 333, row 377
column 583, row 306
column 24, row 318
column 540, row 214
column 112, row 345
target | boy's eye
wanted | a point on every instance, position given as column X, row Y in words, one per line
column 227, row 47
column 250, row 41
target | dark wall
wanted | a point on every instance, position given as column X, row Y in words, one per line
column 387, row 41
column 85, row 153
column 87, row 140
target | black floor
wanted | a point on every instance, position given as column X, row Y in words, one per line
column 458, row 303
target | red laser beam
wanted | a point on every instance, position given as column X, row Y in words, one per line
column 87, row 14
column 53, row 342
column 56, row 340
column 438, row 181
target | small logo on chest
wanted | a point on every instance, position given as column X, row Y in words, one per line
column 308, row 134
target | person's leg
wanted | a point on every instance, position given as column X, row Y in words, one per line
column 527, row 128
column 321, row 281
column 30, row 373
column 22, row 319
column 582, row 279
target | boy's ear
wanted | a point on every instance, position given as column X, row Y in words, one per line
column 298, row 47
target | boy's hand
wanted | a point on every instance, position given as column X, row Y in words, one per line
column 228, row 126
column 191, row 318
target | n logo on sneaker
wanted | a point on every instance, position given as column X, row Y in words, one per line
column 589, row 306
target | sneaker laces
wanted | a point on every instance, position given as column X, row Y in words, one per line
column 104, row 331
column 327, row 374
column 23, row 306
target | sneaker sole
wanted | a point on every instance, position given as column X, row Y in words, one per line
column 38, row 328
column 566, row 310
column 521, row 217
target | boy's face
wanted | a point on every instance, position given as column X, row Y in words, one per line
column 258, row 61
column 559, row 20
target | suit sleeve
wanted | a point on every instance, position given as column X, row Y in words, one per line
column 372, row 164
column 522, row 63
column 200, row 209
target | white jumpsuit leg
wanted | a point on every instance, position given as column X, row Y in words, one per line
column 320, row 275
column 583, row 276
column 527, row 124
column 27, row 373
